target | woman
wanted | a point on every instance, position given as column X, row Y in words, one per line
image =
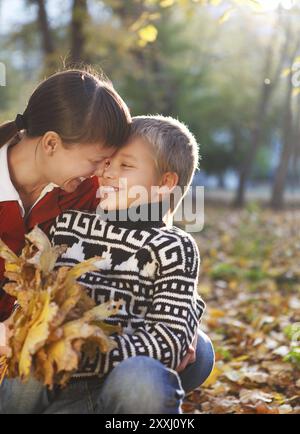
column 73, row 121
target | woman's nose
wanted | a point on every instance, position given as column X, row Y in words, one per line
column 109, row 170
column 102, row 167
column 107, row 163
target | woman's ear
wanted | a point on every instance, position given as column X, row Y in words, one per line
column 168, row 183
column 51, row 142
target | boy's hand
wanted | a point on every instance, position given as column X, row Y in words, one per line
column 190, row 357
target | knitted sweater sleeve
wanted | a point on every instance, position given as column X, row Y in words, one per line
column 172, row 320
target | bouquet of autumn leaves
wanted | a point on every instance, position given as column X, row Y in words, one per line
column 56, row 321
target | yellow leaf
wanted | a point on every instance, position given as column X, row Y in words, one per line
column 39, row 239
column 38, row 333
column 49, row 257
column 240, row 358
column 7, row 254
column 103, row 311
column 77, row 329
column 266, row 264
column 141, row 43
column 297, row 60
column 204, row 289
column 255, row 5
column 242, row 262
column 216, row 313
column 166, row 3
column 57, row 321
column 46, row 256
column 3, row 368
column 87, row 266
column 226, row 15
column 108, row 328
column 12, row 267
column 215, row 374
column 66, row 298
column 279, row 398
column 63, row 354
column 296, row 91
column 148, row 33
column 285, row 72
column 233, row 284
column 213, row 252
column 226, row 239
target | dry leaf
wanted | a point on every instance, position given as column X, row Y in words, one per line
column 56, row 319
column 254, row 396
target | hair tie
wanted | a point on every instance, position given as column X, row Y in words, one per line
column 20, row 122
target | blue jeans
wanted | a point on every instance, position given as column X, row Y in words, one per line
column 138, row 385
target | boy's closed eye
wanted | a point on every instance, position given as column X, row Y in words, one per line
column 126, row 165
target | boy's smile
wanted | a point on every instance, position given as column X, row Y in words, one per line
column 128, row 176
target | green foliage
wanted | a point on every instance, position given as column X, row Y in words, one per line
column 200, row 61
column 293, row 333
column 225, row 271
column 293, row 356
column 224, row 353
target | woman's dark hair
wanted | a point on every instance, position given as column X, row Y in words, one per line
column 79, row 106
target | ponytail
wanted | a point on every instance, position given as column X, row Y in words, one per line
column 8, row 131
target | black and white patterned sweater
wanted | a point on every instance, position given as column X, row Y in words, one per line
column 153, row 268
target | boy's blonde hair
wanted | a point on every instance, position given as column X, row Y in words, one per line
column 175, row 147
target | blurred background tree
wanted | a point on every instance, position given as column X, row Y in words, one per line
column 227, row 68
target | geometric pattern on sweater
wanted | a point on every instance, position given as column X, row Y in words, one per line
column 153, row 269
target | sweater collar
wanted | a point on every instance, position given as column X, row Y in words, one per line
column 144, row 216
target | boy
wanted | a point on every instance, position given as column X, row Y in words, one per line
column 149, row 264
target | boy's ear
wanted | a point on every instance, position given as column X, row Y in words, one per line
column 51, row 141
column 168, row 182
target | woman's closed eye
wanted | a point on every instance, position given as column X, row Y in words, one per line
column 97, row 162
column 126, row 165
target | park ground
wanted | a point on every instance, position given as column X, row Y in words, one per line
column 250, row 281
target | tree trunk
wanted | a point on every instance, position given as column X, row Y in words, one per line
column 46, row 34
column 262, row 110
column 296, row 148
column 78, row 38
column 281, row 173
column 289, row 128
column 221, row 181
column 48, row 45
column 256, row 135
